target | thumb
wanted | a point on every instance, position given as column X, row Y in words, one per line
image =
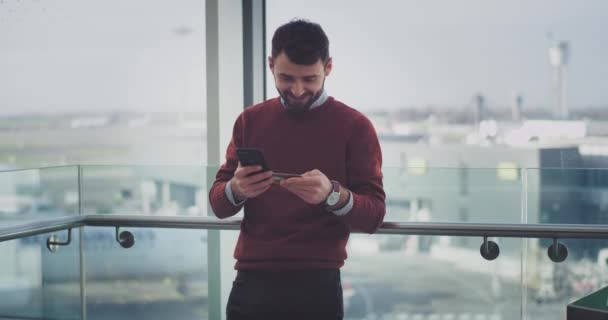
column 314, row 172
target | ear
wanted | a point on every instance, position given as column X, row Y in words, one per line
column 328, row 66
column 271, row 63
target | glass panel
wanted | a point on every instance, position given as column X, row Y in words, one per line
column 144, row 190
column 159, row 277
column 570, row 196
column 428, row 277
column 566, row 196
column 163, row 276
column 418, row 193
column 28, row 195
column 462, row 195
column 446, row 281
column 38, row 284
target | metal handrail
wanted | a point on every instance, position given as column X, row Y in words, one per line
column 176, row 222
column 552, row 231
column 33, row 228
column 489, row 249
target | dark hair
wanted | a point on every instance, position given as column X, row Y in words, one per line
column 303, row 42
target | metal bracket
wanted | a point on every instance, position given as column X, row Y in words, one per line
column 489, row 250
column 125, row 238
column 53, row 243
column 557, row 252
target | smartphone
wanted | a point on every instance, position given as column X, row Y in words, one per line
column 252, row 157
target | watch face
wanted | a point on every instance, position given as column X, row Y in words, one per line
column 333, row 198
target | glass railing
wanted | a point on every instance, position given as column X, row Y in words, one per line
column 386, row 276
column 36, row 194
column 38, row 284
column 565, row 196
column 144, row 190
column 163, row 276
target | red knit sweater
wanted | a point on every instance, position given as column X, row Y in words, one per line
column 279, row 230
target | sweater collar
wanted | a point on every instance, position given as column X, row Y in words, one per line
column 320, row 100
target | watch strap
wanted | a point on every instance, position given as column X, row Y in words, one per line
column 335, row 192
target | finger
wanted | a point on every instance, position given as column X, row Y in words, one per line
column 261, row 186
column 307, row 197
column 287, row 183
column 309, row 192
column 304, row 181
column 262, row 183
column 309, row 181
column 292, row 184
column 300, row 191
column 257, row 178
column 312, row 173
column 257, row 184
column 257, row 191
column 252, row 169
column 245, row 171
column 293, row 190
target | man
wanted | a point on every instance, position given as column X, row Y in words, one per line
column 293, row 235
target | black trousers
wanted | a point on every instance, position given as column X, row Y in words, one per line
column 300, row 294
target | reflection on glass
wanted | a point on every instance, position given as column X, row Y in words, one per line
column 163, row 276
column 452, row 195
column 551, row 286
column 144, row 190
column 566, row 196
column 35, row 194
column 385, row 277
column 429, row 278
column 38, row 284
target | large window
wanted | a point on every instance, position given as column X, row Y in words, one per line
column 118, row 83
column 469, row 73
column 102, row 82
column 467, row 98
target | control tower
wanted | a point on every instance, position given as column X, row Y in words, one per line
column 558, row 57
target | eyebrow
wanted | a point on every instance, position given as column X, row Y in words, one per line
column 304, row 77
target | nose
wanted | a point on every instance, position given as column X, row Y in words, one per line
column 297, row 90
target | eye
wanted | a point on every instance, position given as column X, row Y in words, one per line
column 285, row 78
column 310, row 79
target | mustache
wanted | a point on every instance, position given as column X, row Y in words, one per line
column 290, row 95
column 300, row 107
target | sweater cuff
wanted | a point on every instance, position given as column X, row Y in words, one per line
column 230, row 195
column 347, row 207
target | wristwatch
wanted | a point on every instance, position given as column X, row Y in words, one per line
column 334, row 195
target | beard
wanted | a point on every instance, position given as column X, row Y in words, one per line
column 294, row 106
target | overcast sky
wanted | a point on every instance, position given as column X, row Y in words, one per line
column 74, row 55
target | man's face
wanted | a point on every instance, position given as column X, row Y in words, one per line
column 298, row 85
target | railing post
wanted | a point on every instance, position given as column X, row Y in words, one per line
column 524, row 245
column 82, row 265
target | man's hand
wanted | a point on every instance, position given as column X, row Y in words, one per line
column 245, row 186
column 313, row 187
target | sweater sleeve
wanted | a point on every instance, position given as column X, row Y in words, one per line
column 220, row 204
column 364, row 178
